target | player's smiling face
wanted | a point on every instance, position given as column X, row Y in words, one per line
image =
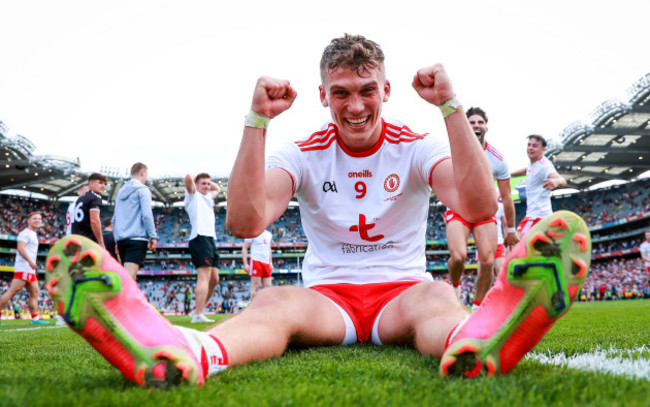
column 479, row 127
column 355, row 103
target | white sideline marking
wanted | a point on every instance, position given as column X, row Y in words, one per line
column 633, row 363
column 33, row 328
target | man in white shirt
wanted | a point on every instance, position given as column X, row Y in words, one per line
column 363, row 183
column 25, row 268
column 260, row 265
column 541, row 179
column 644, row 249
column 200, row 193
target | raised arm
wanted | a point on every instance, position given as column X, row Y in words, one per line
column 190, row 186
column 465, row 182
column 257, row 197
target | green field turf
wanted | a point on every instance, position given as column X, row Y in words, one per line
column 55, row 367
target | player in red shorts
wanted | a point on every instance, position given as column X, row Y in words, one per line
column 260, row 265
column 541, row 179
column 363, row 183
column 485, row 234
column 644, row 249
column 25, row 268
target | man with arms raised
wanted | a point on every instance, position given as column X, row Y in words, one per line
column 200, row 193
column 365, row 267
column 485, row 233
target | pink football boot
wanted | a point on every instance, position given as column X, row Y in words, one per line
column 102, row 303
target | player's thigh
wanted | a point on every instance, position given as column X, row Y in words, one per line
column 255, row 281
column 457, row 235
column 16, row 285
column 485, row 237
column 32, row 288
column 309, row 317
column 430, row 303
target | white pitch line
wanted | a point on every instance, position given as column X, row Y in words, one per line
column 620, row 362
column 33, row 328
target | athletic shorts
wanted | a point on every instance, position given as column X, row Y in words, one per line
column 259, row 269
column 204, row 252
column 501, row 251
column 526, row 224
column 29, row 277
column 133, row 251
column 451, row 215
column 648, row 270
column 361, row 306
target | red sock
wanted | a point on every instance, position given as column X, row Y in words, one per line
column 35, row 316
column 476, row 302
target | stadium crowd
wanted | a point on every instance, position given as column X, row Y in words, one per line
column 612, row 276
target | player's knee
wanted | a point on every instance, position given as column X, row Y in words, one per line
column 456, row 257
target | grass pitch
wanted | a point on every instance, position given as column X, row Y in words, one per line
column 56, row 367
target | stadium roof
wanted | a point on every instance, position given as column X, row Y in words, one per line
column 615, row 146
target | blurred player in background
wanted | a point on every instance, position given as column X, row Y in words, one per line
column 260, row 265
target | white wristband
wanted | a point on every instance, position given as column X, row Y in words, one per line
column 449, row 107
column 512, row 230
column 256, row 120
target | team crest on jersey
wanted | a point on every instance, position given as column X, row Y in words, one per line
column 391, row 183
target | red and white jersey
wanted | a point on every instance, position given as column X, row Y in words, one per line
column 645, row 249
column 364, row 214
column 261, row 247
column 31, row 247
column 538, row 198
column 499, row 166
column 69, row 215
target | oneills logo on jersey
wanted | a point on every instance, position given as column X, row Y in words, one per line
column 360, row 174
column 391, row 183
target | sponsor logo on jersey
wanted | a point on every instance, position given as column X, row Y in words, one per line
column 363, row 229
column 348, row 248
column 391, row 183
column 329, row 186
column 360, row 174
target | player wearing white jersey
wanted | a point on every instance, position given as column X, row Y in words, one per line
column 260, row 265
column 25, row 268
column 541, row 179
column 485, row 236
column 364, row 185
column 644, row 249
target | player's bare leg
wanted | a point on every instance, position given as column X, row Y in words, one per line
column 486, row 245
column 457, row 235
column 212, row 284
column 267, row 282
column 255, row 286
column 132, row 269
column 422, row 316
column 280, row 316
column 203, row 275
column 14, row 288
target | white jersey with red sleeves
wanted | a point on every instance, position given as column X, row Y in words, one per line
column 645, row 249
column 261, row 247
column 499, row 166
column 30, row 239
column 364, row 214
column 538, row 198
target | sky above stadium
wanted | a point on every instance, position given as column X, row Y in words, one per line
column 168, row 83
